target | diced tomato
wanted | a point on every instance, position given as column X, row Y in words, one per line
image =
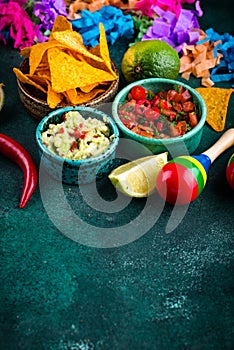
column 138, row 92
column 165, row 104
column 145, row 133
column 159, row 126
column 193, row 119
column 132, row 102
column 136, row 129
column 168, row 112
column 180, row 89
column 128, row 106
column 178, row 107
column 155, row 101
column 82, row 136
column 73, row 146
column 61, row 130
column 152, row 114
column 181, row 127
column 186, row 95
column 76, row 133
column 173, row 130
column 188, row 106
column 128, row 123
column 162, row 94
column 172, row 115
column 173, row 95
column 156, row 109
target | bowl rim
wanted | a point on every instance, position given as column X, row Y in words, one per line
column 98, row 158
column 98, row 99
column 162, row 141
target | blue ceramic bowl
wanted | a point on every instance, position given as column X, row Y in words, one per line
column 76, row 172
column 174, row 145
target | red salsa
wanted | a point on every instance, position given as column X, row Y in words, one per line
column 164, row 114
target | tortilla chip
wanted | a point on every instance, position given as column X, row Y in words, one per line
column 89, row 87
column 26, row 80
column 26, row 51
column 65, row 69
column 73, row 40
column 53, row 98
column 60, row 24
column 80, row 74
column 83, row 97
column 95, row 50
column 104, row 50
column 216, row 100
column 37, row 52
column 43, row 70
column 38, row 79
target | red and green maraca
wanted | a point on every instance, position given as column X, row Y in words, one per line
column 182, row 179
column 230, row 171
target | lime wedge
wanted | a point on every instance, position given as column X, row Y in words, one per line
column 1, row 96
column 138, row 178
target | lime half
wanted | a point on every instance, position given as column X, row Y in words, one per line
column 138, row 178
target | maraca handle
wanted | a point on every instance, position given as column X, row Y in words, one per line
column 223, row 143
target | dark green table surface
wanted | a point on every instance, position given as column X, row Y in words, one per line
column 162, row 291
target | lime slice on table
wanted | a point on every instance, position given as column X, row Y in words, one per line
column 138, row 178
column 1, row 96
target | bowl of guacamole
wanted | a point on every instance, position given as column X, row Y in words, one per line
column 77, row 144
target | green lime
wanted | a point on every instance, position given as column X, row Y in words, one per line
column 150, row 59
column 138, row 178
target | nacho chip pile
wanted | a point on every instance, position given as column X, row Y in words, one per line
column 216, row 100
column 65, row 70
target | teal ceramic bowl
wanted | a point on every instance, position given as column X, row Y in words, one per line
column 80, row 171
column 142, row 145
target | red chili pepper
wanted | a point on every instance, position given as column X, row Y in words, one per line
column 18, row 154
column 140, row 109
column 144, row 102
column 142, row 105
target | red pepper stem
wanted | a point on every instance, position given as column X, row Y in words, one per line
column 19, row 155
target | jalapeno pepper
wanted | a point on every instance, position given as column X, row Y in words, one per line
column 18, row 154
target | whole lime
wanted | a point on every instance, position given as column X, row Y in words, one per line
column 150, row 59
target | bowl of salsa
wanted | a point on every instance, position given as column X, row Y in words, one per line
column 161, row 115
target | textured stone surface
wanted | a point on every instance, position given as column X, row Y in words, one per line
column 162, row 291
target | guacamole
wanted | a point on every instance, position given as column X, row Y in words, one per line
column 77, row 137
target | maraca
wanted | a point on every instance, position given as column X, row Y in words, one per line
column 230, row 172
column 182, row 179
